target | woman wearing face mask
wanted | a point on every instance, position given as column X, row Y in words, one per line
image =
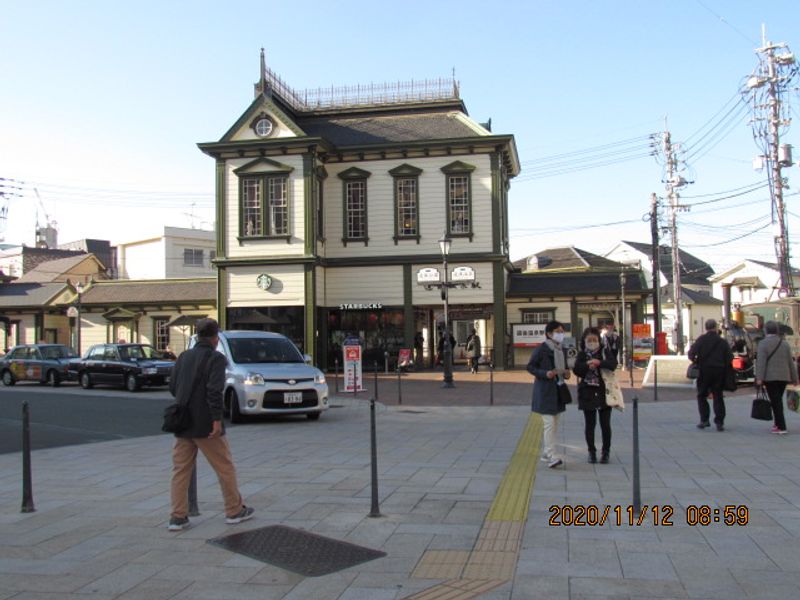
column 548, row 364
column 592, row 357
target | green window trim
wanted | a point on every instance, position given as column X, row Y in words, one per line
column 263, row 209
column 319, row 201
column 458, row 169
column 409, row 174
column 351, row 178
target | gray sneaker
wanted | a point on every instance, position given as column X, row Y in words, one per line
column 243, row 515
column 178, row 523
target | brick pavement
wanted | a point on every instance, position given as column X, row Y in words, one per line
column 99, row 529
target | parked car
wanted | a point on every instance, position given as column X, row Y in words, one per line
column 128, row 365
column 45, row 363
column 267, row 375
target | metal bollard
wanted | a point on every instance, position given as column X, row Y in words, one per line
column 399, row 388
column 375, row 510
column 637, row 492
column 385, row 362
column 193, row 508
column 376, row 380
column 336, row 375
column 655, row 381
column 491, row 384
column 27, row 485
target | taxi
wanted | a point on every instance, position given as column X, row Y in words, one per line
column 43, row 363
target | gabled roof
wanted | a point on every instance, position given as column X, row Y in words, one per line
column 152, row 291
column 586, row 283
column 53, row 270
column 568, row 258
column 694, row 271
column 688, row 296
column 773, row 266
column 23, row 295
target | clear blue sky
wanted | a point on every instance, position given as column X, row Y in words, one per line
column 103, row 103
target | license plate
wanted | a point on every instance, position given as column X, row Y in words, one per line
column 292, row 397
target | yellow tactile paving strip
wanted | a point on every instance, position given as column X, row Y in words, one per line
column 493, row 559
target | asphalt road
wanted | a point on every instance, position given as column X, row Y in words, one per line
column 70, row 415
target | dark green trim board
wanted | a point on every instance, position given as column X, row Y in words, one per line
column 499, row 314
column 259, row 104
column 497, row 203
column 263, row 178
column 457, row 167
column 263, row 166
column 310, row 313
column 354, row 173
column 573, row 317
column 222, row 297
column 409, row 326
column 309, row 214
column 222, row 219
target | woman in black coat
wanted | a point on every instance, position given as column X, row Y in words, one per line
column 592, row 357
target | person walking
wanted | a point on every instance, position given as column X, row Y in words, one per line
column 548, row 364
column 713, row 355
column 197, row 381
column 592, row 357
column 474, row 350
column 774, row 369
column 610, row 338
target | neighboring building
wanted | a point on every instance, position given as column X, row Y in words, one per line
column 328, row 204
column 573, row 286
column 81, row 268
column 18, row 260
column 694, row 272
column 33, row 312
column 177, row 252
column 752, row 281
column 697, row 308
column 102, row 249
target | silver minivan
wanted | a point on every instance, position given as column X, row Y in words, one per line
column 267, row 375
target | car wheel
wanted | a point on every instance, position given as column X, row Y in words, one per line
column 233, row 403
column 8, row 379
column 131, row 383
column 313, row 416
column 86, row 381
column 53, row 380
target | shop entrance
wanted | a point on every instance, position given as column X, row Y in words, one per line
column 380, row 330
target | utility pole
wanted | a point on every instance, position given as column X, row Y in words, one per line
column 656, row 261
column 771, row 79
column 673, row 182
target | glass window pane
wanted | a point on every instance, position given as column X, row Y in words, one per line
column 251, row 207
column 406, row 207
column 356, row 226
column 458, row 197
column 278, row 206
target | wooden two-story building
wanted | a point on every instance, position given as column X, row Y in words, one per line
column 329, row 202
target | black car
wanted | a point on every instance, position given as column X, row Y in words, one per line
column 45, row 363
column 128, row 365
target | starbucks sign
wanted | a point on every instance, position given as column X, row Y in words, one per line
column 264, row 281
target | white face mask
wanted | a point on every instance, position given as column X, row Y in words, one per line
column 592, row 346
column 558, row 337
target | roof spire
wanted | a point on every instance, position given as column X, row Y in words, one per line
column 262, row 79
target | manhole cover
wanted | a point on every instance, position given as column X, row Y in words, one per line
column 297, row 550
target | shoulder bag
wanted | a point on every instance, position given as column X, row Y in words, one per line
column 177, row 417
column 761, row 409
column 614, row 395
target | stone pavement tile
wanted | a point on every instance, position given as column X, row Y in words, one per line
column 322, row 588
column 43, row 583
column 212, row 590
column 407, row 544
column 208, row 573
column 540, row 587
column 122, row 579
column 154, row 589
column 768, row 585
column 647, row 565
column 783, row 554
column 453, row 542
column 441, row 564
column 613, row 586
column 60, row 596
column 4, row 594
column 372, row 593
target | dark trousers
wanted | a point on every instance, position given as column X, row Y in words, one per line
column 590, row 417
column 775, row 391
column 710, row 381
column 473, row 363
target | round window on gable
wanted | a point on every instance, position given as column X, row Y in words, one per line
column 263, row 127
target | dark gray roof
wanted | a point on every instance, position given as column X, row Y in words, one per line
column 155, row 291
column 693, row 270
column 568, row 258
column 384, row 129
column 688, row 296
column 584, row 283
column 773, row 266
column 28, row 294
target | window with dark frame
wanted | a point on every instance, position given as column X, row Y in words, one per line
column 161, row 332
column 407, row 210
column 356, row 209
column 459, row 204
column 192, row 257
column 265, row 206
column 530, row 317
column 320, row 211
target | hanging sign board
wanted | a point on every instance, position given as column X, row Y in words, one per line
column 642, row 342
column 353, row 381
column 462, row 275
column 428, row 275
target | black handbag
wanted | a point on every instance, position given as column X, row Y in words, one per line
column 762, row 409
column 693, row 371
column 177, row 417
column 729, row 383
column 564, row 395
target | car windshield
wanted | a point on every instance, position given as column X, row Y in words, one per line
column 56, row 352
column 137, row 352
column 264, row 350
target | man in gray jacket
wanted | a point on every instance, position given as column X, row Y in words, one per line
column 198, row 380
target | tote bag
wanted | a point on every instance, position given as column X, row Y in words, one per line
column 614, row 395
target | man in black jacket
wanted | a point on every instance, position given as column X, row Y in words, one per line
column 713, row 355
column 198, row 380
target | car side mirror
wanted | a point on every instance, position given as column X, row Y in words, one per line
column 307, row 359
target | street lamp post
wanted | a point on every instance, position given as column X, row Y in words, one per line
column 79, row 289
column 447, row 351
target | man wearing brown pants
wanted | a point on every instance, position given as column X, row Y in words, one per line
column 198, row 379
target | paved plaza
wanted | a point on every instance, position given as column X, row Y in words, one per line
column 457, row 518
